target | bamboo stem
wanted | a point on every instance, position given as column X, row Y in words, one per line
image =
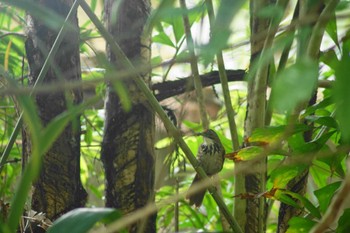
column 194, row 67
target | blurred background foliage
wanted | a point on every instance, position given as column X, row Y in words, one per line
column 327, row 151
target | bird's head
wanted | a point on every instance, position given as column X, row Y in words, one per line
column 210, row 135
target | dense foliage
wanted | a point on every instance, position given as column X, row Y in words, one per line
column 296, row 75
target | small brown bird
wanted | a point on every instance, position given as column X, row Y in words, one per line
column 211, row 157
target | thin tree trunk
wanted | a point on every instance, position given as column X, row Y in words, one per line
column 255, row 118
column 299, row 183
column 58, row 188
column 127, row 147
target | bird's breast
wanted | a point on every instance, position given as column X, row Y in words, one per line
column 211, row 158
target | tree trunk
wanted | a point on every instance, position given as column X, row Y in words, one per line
column 255, row 183
column 58, row 188
column 127, row 147
column 299, row 183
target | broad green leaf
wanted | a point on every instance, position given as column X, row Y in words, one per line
column 327, row 101
column 280, row 196
column 294, row 85
column 342, row 94
column 157, row 14
column 163, row 143
column 344, row 223
column 227, row 143
column 321, row 141
column 81, row 220
column 329, row 58
column 325, row 195
column 178, row 28
column 310, row 147
column 319, row 173
column 221, row 30
column 193, row 125
column 332, row 30
column 246, row 153
column 300, row 225
column 272, row 134
column 335, row 163
column 306, row 203
column 282, row 175
column 323, row 120
column 163, row 38
column 196, row 217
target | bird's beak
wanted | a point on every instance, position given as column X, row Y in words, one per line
column 198, row 134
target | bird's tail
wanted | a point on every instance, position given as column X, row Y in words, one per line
column 196, row 198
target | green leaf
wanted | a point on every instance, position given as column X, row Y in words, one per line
column 335, row 163
column 163, row 38
column 323, row 120
column 272, row 134
column 344, row 223
column 83, row 219
column 329, row 58
column 247, row 153
column 221, row 30
column 306, row 203
column 164, row 143
column 332, row 30
column 193, row 125
column 319, row 173
column 342, row 94
column 327, row 101
column 325, row 195
column 300, row 225
column 178, row 29
column 280, row 196
column 294, row 85
column 282, row 175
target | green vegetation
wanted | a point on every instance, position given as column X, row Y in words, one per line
column 284, row 124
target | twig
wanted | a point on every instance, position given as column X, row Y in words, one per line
column 335, row 207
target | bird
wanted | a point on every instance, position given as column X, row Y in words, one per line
column 211, row 156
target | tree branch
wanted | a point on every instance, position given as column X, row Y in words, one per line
column 168, row 89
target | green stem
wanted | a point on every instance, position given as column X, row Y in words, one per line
column 225, row 90
column 224, row 84
column 194, row 67
column 176, row 134
column 318, row 30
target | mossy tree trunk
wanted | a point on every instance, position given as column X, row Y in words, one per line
column 255, row 209
column 58, row 188
column 127, row 147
